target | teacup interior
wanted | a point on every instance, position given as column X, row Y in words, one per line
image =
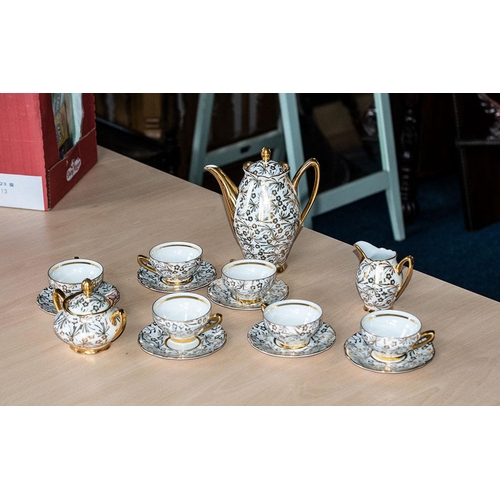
column 249, row 270
column 176, row 252
column 75, row 271
column 292, row 313
column 391, row 325
column 181, row 307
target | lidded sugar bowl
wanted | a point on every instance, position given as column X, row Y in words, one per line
column 87, row 321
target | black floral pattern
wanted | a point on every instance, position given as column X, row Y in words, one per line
column 267, row 213
column 378, row 283
column 87, row 332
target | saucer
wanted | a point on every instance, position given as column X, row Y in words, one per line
column 45, row 302
column 358, row 352
column 152, row 340
column 219, row 294
column 202, row 277
column 261, row 339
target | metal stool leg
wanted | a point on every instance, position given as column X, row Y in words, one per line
column 389, row 163
column 386, row 180
column 291, row 130
column 200, row 137
column 293, row 143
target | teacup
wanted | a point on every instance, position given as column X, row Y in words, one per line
column 183, row 316
column 392, row 334
column 68, row 275
column 292, row 322
column 248, row 280
column 176, row 262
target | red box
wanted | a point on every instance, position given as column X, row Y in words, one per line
column 32, row 174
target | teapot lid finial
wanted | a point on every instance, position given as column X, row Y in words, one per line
column 265, row 154
column 266, row 167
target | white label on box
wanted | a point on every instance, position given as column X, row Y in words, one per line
column 21, row 191
column 76, row 163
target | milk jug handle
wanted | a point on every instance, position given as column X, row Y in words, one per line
column 295, row 183
column 399, row 269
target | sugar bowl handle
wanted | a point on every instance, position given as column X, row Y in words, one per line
column 122, row 317
column 58, row 299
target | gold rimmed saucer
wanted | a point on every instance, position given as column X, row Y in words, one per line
column 154, row 341
column 260, row 339
column 220, row 295
column 359, row 353
column 202, row 277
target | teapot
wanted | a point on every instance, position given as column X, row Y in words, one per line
column 264, row 213
column 379, row 278
column 87, row 321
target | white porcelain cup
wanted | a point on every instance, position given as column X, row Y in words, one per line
column 68, row 275
column 183, row 316
column 392, row 334
column 292, row 322
column 176, row 262
column 248, row 280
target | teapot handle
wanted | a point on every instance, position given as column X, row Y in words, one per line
column 399, row 270
column 312, row 162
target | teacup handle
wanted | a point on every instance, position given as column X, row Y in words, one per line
column 145, row 262
column 425, row 338
column 212, row 322
column 399, row 270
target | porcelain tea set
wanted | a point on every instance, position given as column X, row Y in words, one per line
column 265, row 217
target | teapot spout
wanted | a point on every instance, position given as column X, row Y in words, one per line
column 228, row 189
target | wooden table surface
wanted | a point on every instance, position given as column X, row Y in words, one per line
column 122, row 208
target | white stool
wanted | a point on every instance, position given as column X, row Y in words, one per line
column 287, row 138
column 286, row 134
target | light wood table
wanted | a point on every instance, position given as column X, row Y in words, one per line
column 122, row 208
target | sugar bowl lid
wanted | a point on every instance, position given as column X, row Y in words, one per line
column 86, row 302
column 266, row 166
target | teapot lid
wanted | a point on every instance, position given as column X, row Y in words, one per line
column 86, row 302
column 266, row 166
